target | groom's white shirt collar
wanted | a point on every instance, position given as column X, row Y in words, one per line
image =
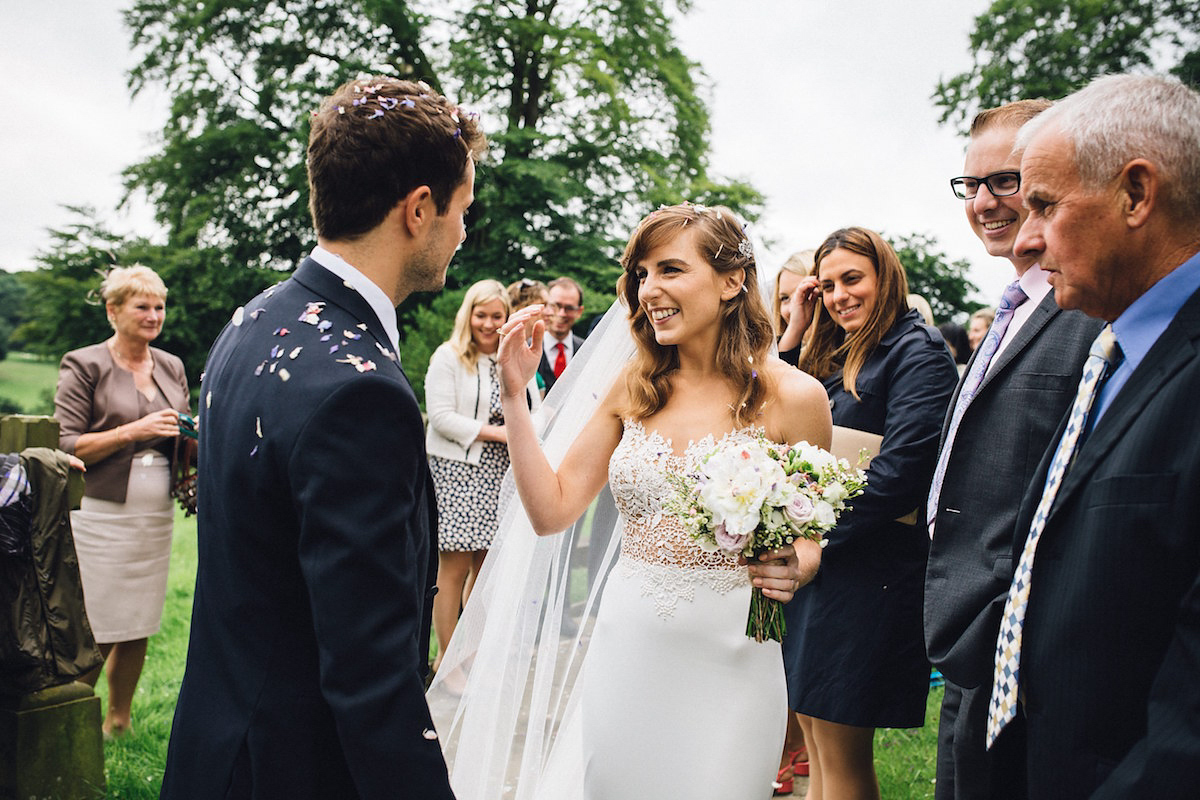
column 379, row 302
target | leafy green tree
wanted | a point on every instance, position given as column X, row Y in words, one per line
column 601, row 121
column 1050, row 48
column 932, row 275
column 63, row 309
column 431, row 325
column 12, row 307
column 243, row 77
column 594, row 114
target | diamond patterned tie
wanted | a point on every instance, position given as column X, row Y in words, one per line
column 1104, row 356
column 560, row 361
column 1013, row 296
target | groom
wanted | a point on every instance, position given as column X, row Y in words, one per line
column 317, row 543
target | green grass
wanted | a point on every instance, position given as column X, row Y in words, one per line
column 29, row 381
column 133, row 765
column 905, row 759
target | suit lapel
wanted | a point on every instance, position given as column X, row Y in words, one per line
column 1174, row 349
column 1038, row 320
column 324, row 283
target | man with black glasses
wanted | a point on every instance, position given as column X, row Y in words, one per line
column 1018, row 385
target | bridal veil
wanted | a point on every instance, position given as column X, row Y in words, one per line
column 505, row 700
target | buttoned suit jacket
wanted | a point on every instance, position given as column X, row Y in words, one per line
column 546, row 367
column 317, row 561
column 1000, row 440
column 1111, row 643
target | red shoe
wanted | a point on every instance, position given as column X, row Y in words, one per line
column 800, row 762
column 785, row 780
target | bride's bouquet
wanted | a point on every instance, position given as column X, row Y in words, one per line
column 748, row 497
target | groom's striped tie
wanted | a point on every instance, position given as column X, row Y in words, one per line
column 1104, row 357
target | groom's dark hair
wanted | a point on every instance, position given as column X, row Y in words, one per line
column 373, row 141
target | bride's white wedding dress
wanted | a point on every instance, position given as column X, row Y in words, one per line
column 677, row 700
column 560, row 683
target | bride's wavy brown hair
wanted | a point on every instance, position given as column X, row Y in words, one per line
column 829, row 348
column 746, row 330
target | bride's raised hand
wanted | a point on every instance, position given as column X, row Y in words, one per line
column 520, row 349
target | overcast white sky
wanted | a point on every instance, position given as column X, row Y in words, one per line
column 823, row 106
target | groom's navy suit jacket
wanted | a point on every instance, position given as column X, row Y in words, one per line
column 1110, row 658
column 317, row 560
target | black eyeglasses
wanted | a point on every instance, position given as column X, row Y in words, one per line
column 1000, row 184
column 565, row 308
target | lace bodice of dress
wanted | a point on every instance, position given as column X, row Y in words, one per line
column 654, row 543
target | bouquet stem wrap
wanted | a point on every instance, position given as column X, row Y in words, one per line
column 765, row 621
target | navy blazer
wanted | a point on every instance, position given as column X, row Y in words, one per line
column 317, row 560
column 854, row 652
column 1111, row 644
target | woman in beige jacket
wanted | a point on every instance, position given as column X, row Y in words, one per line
column 118, row 405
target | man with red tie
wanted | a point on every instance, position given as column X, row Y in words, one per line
column 562, row 311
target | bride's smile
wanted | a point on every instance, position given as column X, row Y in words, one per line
column 681, row 293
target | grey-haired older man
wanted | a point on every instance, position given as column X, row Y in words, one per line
column 1099, row 649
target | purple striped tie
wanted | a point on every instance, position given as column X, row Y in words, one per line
column 1013, row 296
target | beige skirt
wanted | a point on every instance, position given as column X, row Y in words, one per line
column 124, row 552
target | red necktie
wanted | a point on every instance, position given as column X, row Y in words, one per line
column 560, row 361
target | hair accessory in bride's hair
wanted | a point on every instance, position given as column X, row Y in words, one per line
column 745, row 248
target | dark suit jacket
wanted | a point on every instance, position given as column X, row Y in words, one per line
column 546, row 368
column 1110, row 663
column 1000, row 440
column 317, row 559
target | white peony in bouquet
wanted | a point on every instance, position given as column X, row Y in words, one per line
column 749, row 497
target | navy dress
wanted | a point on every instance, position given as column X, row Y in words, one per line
column 854, row 650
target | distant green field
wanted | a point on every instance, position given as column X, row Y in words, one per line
column 28, row 382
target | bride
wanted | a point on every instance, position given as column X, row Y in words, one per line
column 547, row 692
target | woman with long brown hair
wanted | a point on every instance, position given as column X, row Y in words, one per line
column 669, row 670
column 854, row 650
